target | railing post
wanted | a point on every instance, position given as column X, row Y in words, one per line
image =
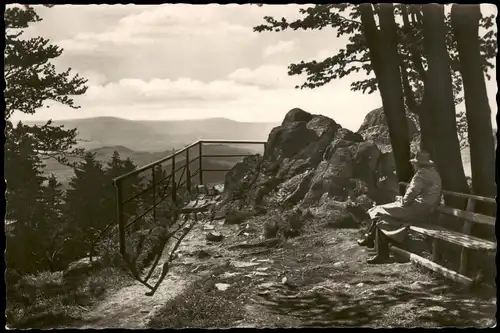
column 174, row 184
column 119, row 214
column 200, row 155
column 154, row 194
column 188, row 173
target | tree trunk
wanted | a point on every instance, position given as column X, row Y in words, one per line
column 425, row 120
column 427, row 135
column 382, row 45
column 440, row 105
column 465, row 23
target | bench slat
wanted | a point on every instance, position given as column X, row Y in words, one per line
column 469, row 216
column 432, row 266
column 457, row 238
column 463, row 195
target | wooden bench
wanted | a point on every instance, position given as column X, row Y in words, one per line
column 463, row 239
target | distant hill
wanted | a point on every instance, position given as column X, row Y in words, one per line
column 141, row 158
column 160, row 136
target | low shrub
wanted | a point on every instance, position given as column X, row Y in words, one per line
column 46, row 300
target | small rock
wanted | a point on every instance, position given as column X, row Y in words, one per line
column 260, row 274
column 242, row 264
column 202, row 189
column 267, row 285
column 347, row 286
column 265, row 260
column 214, row 236
column 219, row 188
column 338, row 264
column 219, row 215
column 203, row 254
column 308, row 255
column 262, row 269
column 227, row 275
column 208, row 227
column 284, row 280
column 361, row 284
column 222, row 286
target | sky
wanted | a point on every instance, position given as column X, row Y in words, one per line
column 181, row 61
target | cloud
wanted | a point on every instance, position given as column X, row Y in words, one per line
column 159, row 23
column 280, row 47
column 182, row 91
column 187, row 61
column 266, row 76
column 94, row 78
column 260, row 94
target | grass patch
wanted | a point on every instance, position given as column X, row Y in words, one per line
column 46, row 300
column 202, row 305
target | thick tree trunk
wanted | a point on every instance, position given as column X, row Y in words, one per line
column 440, row 105
column 384, row 57
column 465, row 23
column 427, row 134
column 425, row 120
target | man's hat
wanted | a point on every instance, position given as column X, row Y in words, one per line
column 422, row 158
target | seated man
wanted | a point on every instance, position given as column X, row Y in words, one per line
column 422, row 197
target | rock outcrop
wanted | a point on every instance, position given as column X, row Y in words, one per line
column 309, row 161
column 374, row 129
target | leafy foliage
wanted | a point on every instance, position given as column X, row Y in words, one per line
column 354, row 57
column 32, row 80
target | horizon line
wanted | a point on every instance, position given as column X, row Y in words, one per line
column 128, row 119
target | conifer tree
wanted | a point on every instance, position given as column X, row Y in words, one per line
column 86, row 206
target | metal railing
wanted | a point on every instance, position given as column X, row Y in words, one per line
column 177, row 185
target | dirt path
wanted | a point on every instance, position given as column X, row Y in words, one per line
column 129, row 307
column 328, row 284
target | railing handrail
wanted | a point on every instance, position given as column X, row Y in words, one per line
column 180, row 151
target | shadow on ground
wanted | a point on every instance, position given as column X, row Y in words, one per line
column 397, row 305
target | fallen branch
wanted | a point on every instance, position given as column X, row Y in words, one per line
column 254, row 253
column 85, row 309
column 166, row 265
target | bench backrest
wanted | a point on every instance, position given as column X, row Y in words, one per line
column 468, row 215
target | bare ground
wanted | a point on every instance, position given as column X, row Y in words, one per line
column 317, row 280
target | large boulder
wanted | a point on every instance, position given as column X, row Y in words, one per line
column 308, row 158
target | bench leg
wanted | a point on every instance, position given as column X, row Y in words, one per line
column 465, row 252
column 435, row 250
column 464, row 261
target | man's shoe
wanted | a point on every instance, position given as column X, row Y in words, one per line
column 378, row 259
column 366, row 242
